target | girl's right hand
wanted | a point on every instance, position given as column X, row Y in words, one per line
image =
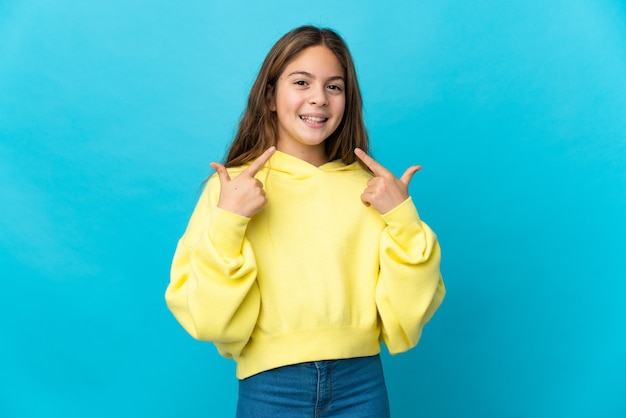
column 243, row 194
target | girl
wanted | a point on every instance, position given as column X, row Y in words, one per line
column 303, row 253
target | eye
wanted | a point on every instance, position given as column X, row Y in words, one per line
column 301, row 83
column 335, row 87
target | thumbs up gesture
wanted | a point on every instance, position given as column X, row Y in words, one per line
column 243, row 195
column 385, row 191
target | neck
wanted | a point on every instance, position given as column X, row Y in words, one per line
column 315, row 155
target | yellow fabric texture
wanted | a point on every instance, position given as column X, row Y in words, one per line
column 315, row 275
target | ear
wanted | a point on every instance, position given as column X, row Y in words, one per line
column 269, row 96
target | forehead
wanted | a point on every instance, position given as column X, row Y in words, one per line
column 317, row 60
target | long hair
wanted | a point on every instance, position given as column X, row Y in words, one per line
column 258, row 128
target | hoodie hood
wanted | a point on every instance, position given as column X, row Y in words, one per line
column 287, row 164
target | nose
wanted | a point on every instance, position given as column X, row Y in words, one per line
column 319, row 96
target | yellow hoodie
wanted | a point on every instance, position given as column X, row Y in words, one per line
column 315, row 275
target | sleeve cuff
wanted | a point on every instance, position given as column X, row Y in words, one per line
column 403, row 220
column 227, row 231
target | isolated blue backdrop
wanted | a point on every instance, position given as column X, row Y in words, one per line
column 111, row 111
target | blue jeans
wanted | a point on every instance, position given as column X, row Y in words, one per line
column 350, row 388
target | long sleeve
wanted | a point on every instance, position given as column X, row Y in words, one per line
column 410, row 287
column 213, row 291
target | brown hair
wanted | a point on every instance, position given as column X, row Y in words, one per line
column 258, row 128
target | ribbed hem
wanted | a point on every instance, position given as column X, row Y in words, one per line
column 269, row 352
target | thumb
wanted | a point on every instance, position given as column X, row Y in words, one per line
column 221, row 172
column 408, row 174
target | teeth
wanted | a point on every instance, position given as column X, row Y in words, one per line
column 313, row 119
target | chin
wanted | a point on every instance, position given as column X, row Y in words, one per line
column 314, row 143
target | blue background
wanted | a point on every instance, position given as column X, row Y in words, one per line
column 111, row 111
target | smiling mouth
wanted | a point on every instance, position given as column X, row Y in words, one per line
column 312, row 119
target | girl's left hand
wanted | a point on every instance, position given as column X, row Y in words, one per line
column 385, row 191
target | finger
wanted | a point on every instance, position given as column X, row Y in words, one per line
column 259, row 162
column 376, row 168
column 221, row 172
column 408, row 174
column 365, row 199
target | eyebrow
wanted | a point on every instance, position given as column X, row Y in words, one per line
column 307, row 74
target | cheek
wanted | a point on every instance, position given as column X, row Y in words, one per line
column 286, row 102
column 340, row 107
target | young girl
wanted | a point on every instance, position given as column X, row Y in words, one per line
column 303, row 254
